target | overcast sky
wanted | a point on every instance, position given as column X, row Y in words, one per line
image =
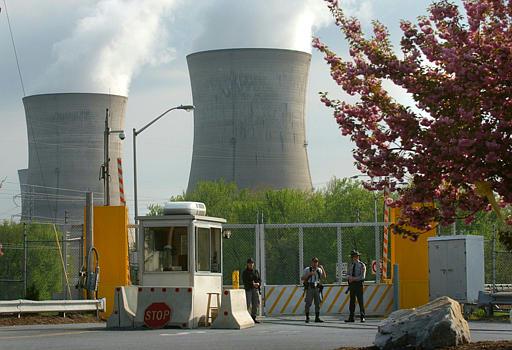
column 139, row 48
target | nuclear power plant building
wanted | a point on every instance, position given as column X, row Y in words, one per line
column 249, row 118
column 66, row 150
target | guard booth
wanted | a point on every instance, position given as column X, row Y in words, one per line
column 180, row 261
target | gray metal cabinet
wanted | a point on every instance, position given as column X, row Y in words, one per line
column 456, row 267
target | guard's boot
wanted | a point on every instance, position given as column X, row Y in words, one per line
column 363, row 320
column 317, row 317
column 307, row 317
column 350, row 319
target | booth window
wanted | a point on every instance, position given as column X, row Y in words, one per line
column 203, row 249
column 166, row 249
column 215, row 249
column 208, row 249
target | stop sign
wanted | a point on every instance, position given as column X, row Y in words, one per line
column 157, row 315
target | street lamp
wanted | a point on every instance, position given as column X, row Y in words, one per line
column 187, row 108
column 105, row 168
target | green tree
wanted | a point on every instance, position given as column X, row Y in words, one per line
column 44, row 269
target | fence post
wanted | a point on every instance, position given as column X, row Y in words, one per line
column 65, row 257
column 89, row 235
column 257, row 248
column 396, row 288
column 301, row 251
column 339, row 246
column 494, row 259
column 260, row 260
column 263, row 269
column 25, row 256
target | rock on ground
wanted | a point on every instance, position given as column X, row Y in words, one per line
column 438, row 324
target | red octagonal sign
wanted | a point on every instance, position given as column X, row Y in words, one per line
column 157, row 315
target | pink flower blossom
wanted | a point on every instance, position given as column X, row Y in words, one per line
column 457, row 68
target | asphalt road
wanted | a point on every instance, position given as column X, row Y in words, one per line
column 273, row 333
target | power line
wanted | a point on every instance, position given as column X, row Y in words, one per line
column 52, row 188
column 14, row 48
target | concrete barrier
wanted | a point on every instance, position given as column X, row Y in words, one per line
column 233, row 312
column 123, row 314
column 152, row 307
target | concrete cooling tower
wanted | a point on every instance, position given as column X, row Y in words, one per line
column 249, row 118
column 65, row 135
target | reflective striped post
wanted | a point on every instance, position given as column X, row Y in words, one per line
column 121, row 181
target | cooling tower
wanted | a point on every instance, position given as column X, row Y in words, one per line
column 249, row 118
column 65, row 135
column 25, row 206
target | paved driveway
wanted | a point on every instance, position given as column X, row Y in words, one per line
column 273, row 333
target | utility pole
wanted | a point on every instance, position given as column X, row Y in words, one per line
column 105, row 171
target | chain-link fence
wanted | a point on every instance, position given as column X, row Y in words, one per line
column 288, row 249
column 40, row 262
column 11, row 270
column 35, row 256
column 132, row 253
column 498, row 266
column 238, row 248
column 282, row 251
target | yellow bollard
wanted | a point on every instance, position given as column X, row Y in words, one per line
column 235, row 276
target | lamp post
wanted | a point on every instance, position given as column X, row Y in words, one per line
column 105, row 167
column 187, row 108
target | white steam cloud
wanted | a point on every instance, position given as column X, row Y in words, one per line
column 107, row 48
column 285, row 24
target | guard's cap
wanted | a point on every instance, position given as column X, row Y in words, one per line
column 354, row 253
column 250, row 260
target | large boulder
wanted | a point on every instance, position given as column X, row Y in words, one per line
column 434, row 325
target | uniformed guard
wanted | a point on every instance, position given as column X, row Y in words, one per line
column 313, row 287
column 356, row 275
column 252, row 282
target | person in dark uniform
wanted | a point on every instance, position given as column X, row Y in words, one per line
column 356, row 275
column 312, row 287
column 252, row 282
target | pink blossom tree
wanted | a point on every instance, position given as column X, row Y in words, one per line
column 454, row 148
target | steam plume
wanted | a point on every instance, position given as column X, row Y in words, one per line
column 107, row 48
column 285, row 24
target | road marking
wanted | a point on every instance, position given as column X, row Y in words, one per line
column 181, row 333
column 44, row 335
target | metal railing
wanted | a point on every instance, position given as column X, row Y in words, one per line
column 22, row 306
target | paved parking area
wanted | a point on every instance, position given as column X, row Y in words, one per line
column 273, row 333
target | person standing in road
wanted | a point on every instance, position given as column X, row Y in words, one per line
column 252, row 282
column 312, row 287
column 356, row 276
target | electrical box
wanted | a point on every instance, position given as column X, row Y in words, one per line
column 456, row 267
